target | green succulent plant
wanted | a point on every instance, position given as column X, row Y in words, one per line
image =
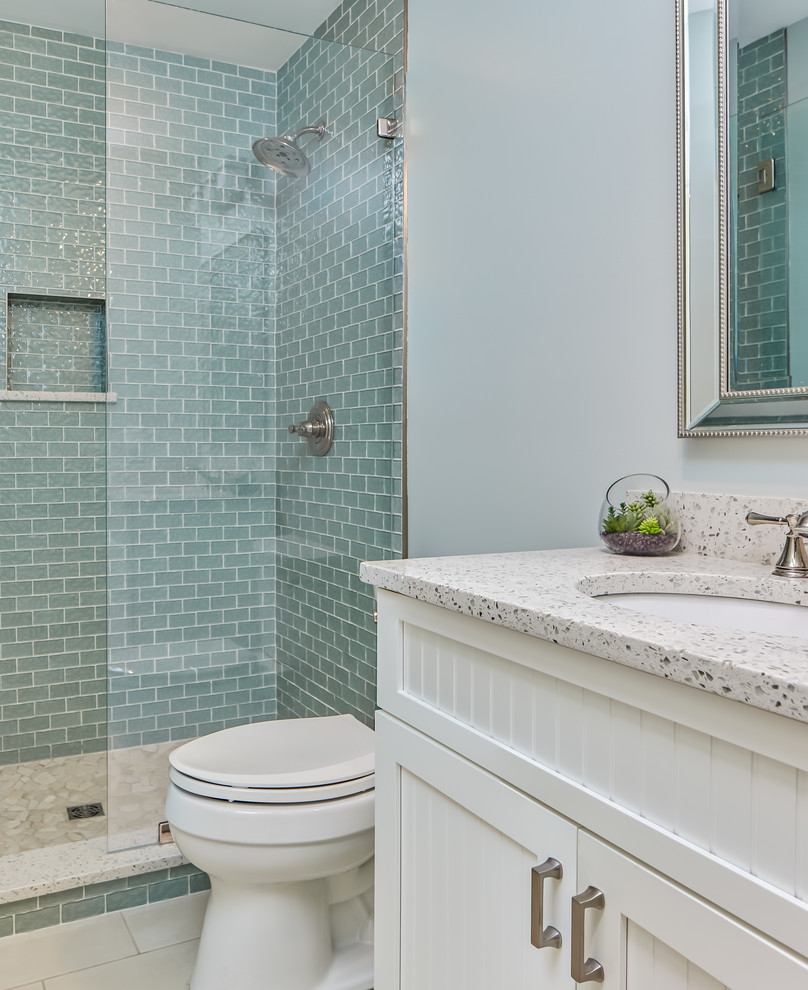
column 649, row 525
column 648, row 514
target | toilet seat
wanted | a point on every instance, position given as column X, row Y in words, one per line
column 285, row 761
column 271, row 795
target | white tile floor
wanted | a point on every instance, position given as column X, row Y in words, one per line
column 152, row 947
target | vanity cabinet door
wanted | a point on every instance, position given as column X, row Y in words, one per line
column 465, row 855
column 652, row 933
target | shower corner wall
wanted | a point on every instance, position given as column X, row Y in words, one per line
column 172, row 562
column 339, row 334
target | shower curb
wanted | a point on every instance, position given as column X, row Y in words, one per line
column 77, row 864
column 86, row 880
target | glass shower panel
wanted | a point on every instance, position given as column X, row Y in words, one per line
column 191, row 505
column 238, row 297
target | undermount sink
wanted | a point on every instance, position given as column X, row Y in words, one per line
column 739, row 614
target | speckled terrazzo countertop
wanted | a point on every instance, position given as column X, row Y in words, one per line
column 547, row 594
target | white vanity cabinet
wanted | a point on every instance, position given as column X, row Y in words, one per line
column 497, row 751
column 468, row 843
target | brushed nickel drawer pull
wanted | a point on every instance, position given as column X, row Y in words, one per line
column 540, row 936
column 584, row 970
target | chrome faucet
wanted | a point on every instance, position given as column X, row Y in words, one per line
column 793, row 562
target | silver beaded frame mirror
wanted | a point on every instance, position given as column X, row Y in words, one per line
column 742, row 164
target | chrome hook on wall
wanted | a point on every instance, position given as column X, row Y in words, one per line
column 318, row 429
column 387, row 127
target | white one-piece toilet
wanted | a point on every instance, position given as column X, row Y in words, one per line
column 280, row 815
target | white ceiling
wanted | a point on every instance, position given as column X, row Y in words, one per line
column 753, row 19
column 81, row 16
column 303, row 16
column 239, row 31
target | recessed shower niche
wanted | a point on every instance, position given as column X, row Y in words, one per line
column 55, row 344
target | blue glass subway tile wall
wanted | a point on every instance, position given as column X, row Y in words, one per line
column 52, row 151
column 235, row 299
column 52, row 581
column 374, row 24
column 761, row 295
column 52, row 501
column 338, row 337
column 191, row 496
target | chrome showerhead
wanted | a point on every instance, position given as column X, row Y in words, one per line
column 282, row 153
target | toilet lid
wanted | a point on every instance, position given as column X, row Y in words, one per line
column 292, row 753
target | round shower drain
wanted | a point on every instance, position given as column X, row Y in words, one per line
column 85, row 810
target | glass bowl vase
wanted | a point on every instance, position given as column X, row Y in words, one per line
column 637, row 518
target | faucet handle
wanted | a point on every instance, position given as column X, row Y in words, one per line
column 796, row 522
column 756, row 518
column 793, row 561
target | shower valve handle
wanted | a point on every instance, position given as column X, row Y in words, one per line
column 318, row 429
column 308, row 429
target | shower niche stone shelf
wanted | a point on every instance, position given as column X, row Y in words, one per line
column 56, row 348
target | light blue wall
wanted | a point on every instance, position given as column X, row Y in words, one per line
column 542, row 283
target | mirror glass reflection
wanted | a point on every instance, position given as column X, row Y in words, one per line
column 743, row 160
column 768, row 143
